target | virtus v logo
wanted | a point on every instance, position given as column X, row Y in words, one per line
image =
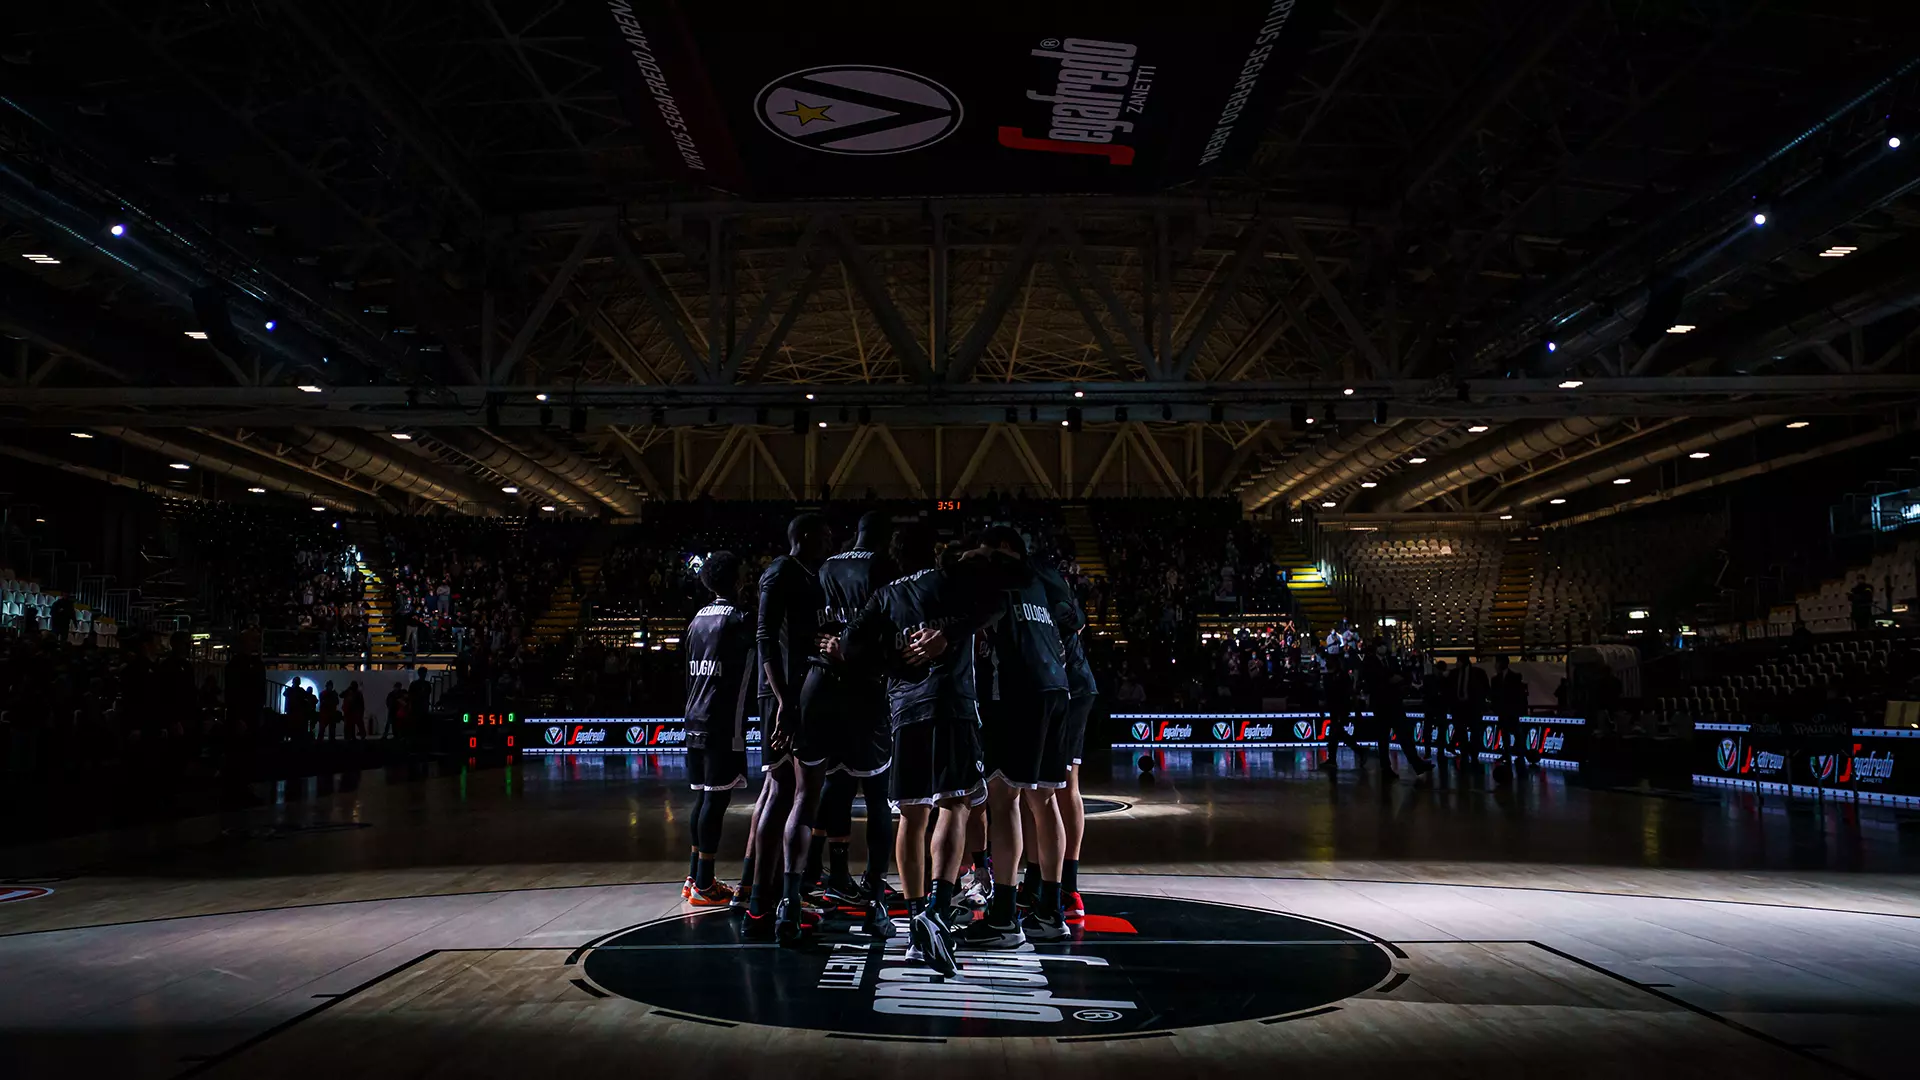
column 1142, row 730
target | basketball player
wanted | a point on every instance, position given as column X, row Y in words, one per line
column 1023, row 729
column 851, row 706
column 720, row 650
column 788, row 633
column 919, row 630
column 1081, row 690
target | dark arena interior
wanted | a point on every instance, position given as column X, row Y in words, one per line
column 585, row 537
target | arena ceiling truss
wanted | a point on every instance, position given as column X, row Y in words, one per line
column 1466, row 238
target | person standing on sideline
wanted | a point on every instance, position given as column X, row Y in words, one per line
column 1337, row 698
column 1861, row 596
column 1434, row 705
column 419, row 701
column 329, row 710
column 1469, row 702
column 396, row 708
column 353, row 707
column 1507, row 695
column 1387, row 694
column 720, row 649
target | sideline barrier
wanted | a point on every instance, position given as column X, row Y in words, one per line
column 1555, row 738
column 1811, row 759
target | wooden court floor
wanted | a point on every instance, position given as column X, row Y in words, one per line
column 1244, row 914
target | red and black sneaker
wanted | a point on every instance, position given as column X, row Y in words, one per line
column 686, row 889
column 757, row 927
column 1076, row 908
column 718, row 894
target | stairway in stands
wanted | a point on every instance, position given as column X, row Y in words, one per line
column 563, row 612
column 1518, row 565
column 383, row 629
column 1307, row 586
column 1085, row 536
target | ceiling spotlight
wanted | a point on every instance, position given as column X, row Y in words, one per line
column 1063, row 423
column 1557, row 502
column 1698, row 455
column 1760, row 219
column 257, row 490
column 1893, row 142
column 81, row 435
column 307, row 388
column 1622, row 480
column 1506, row 517
column 539, row 397
column 1368, row 484
column 1571, row 384
column 1477, row 429
column 1309, row 419
column 1798, row 424
column 318, row 509
column 1839, row 251
column 1079, row 393
column 809, row 397
column 197, row 335
column 511, row 490
column 823, row 423
column 403, row 436
column 1682, row 328
column 1348, row 391
column 270, row 325
column 1551, row 347
column 1416, row 461
column 1329, row 504
column 43, row 260
column 178, row 465
column 550, row 509
column 121, row 230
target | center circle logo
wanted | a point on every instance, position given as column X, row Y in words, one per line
column 1729, row 753
column 858, row 109
column 1134, row 964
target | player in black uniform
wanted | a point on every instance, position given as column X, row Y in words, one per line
column 919, row 630
column 1023, row 729
column 850, row 705
column 789, row 636
column 720, row 652
column 1081, row 690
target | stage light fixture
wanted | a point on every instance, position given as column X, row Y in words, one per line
column 1798, row 424
column 1368, row 484
column 181, row 465
column 1464, row 392
column 257, row 490
column 1893, row 142
column 1622, row 480
column 846, row 414
column 1556, row 502
column 1166, row 412
column 197, row 335
column 308, row 388
column 539, row 397
column 866, row 414
column 713, row 415
column 809, row 397
column 81, row 435
column 1063, row 423
column 1477, row 429
column 1506, row 517
column 1033, row 414
column 1682, row 328
column 551, row 509
column 1328, row 505
column 511, row 490
column 822, row 423
column 1552, row 347
column 1760, row 218
column 270, row 326
column 1079, row 393
column 403, row 436
column 1571, row 384
column 1699, row 455
column 1416, row 461
column 546, row 416
column 121, row 230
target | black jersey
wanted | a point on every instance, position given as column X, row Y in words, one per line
column 789, row 626
column 719, row 648
column 1027, row 654
column 958, row 601
column 847, row 581
column 1070, row 621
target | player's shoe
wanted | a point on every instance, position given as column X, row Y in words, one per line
column 686, row 889
column 742, row 895
column 1076, row 907
column 1024, row 899
column 757, row 927
column 1040, row 927
column 987, row 936
column 928, row 944
column 842, row 889
column 974, row 894
column 877, row 923
column 718, row 894
column 790, row 925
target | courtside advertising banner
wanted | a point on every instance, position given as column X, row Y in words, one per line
column 905, row 100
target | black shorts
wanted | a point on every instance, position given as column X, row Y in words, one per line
column 716, row 770
column 1026, row 740
column 783, row 746
column 848, row 720
column 935, row 760
column 1079, row 708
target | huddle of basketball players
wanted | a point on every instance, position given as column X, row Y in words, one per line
column 947, row 681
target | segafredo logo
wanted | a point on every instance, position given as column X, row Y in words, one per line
column 1142, row 730
column 587, row 736
column 1134, row 964
column 1170, row 730
column 1873, row 768
column 1254, row 732
column 1545, row 740
column 1766, row 761
column 1728, row 754
column 858, row 109
column 1303, row 729
column 1222, row 730
column 669, row 735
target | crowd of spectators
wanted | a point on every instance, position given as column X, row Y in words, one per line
column 474, row 587
column 275, row 569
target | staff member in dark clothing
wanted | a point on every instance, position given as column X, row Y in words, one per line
column 720, row 652
column 852, row 705
column 1468, row 699
column 919, row 631
column 1387, row 693
column 1507, row 694
column 1337, row 699
column 1023, row 731
column 788, row 631
column 1435, row 705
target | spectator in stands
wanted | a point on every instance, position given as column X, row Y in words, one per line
column 1861, row 596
